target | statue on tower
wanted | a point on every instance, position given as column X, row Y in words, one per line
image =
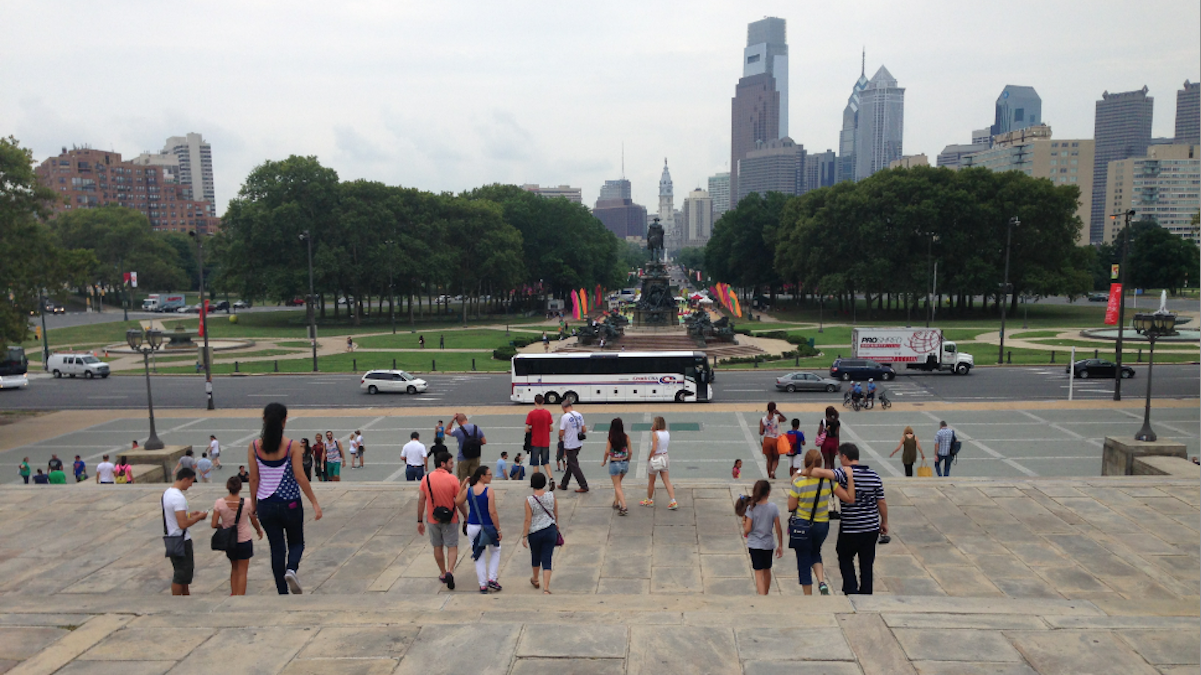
column 654, row 239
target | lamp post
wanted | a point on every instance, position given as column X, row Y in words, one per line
column 208, row 366
column 1117, row 373
column 821, row 311
column 1013, row 222
column 146, row 343
column 929, row 272
column 1153, row 326
column 308, row 239
column 391, row 291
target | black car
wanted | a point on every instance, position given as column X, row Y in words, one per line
column 222, row 306
column 1099, row 368
column 860, row 369
column 1098, row 297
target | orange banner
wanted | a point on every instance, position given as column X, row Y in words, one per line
column 1111, row 310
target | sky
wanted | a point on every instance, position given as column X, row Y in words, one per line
column 449, row 95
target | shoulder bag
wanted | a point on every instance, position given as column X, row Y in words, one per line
column 580, row 434
column 956, row 446
column 558, row 532
column 174, row 543
column 441, row 513
column 821, row 435
column 226, row 538
column 798, row 528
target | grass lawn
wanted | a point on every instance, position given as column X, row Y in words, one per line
column 1040, row 316
column 362, row 362
column 477, row 338
column 1024, row 335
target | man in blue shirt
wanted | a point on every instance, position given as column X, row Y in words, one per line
column 501, row 466
column 857, row 392
column 871, row 389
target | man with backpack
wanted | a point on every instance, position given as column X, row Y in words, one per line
column 947, row 446
column 471, row 444
column 436, row 507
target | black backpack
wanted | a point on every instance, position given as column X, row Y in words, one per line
column 471, row 443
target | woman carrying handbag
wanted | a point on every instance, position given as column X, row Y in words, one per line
column 540, row 532
column 809, row 522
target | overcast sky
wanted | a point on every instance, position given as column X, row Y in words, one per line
column 446, row 96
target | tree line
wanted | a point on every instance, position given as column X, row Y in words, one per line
column 882, row 238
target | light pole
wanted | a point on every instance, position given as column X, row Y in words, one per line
column 308, row 239
column 1013, row 222
column 1154, row 326
column 821, row 309
column 146, row 343
column 391, row 291
column 45, row 338
column 931, row 236
column 204, row 305
column 1117, row 373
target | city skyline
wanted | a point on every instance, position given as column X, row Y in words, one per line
column 372, row 102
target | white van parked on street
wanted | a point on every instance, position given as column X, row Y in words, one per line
column 77, row 364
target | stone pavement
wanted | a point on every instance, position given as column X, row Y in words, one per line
column 1041, row 575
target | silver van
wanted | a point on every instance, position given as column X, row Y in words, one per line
column 77, row 364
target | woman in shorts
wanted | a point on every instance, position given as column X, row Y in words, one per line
column 224, row 512
column 660, row 439
column 769, row 429
column 617, row 456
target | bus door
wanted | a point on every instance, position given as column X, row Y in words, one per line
column 699, row 372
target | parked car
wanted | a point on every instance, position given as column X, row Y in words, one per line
column 241, row 304
column 76, row 364
column 1099, row 368
column 1098, row 297
column 806, row 382
column 376, row 381
column 294, row 302
column 860, row 369
column 222, row 306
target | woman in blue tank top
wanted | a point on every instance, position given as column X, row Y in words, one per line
column 483, row 527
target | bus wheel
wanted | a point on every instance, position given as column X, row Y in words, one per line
column 681, row 396
column 571, row 397
column 550, row 397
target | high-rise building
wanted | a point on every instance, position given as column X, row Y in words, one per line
column 571, row 194
column 1018, row 107
column 615, row 189
column 195, row 167
column 1164, row 186
column 667, row 211
column 881, row 125
column 84, row 178
column 1122, row 129
column 1035, row 153
column 697, row 218
column 774, row 166
column 952, row 155
column 617, row 211
column 821, row 170
column 719, row 190
column 850, row 123
column 1188, row 113
column 759, row 109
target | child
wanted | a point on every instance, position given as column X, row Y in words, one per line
column 80, row 469
column 243, row 475
column 737, row 468
column 501, row 466
column 759, row 518
column 439, row 433
column 796, row 439
column 517, row 472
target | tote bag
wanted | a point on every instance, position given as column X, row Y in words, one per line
column 924, row 471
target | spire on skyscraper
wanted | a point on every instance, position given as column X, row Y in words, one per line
column 863, row 63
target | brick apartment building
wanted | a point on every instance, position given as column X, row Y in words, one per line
column 86, row 178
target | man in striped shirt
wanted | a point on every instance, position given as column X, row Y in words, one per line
column 862, row 521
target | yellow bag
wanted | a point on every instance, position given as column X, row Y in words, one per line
column 924, row 471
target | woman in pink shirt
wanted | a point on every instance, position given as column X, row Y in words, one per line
column 224, row 512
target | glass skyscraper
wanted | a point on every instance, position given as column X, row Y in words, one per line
column 1122, row 130
column 881, row 124
column 1018, row 107
column 850, row 122
column 759, row 109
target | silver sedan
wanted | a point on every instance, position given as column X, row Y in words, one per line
column 806, row 382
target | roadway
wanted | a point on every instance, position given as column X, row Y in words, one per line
column 1045, row 383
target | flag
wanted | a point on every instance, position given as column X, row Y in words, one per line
column 204, row 305
column 1111, row 310
column 133, row 279
column 575, row 305
column 599, row 294
column 584, row 302
column 737, row 308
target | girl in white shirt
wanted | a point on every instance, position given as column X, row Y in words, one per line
column 658, row 464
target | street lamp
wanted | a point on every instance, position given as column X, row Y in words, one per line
column 1117, row 373
column 146, row 343
column 208, row 366
column 391, row 292
column 929, row 272
column 1153, row 326
column 45, row 338
column 308, row 239
column 1013, row 222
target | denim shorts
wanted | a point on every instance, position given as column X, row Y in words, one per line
column 539, row 455
column 619, row 468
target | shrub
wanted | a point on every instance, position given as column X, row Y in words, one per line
column 773, row 335
column 505, row 353
column 523, row 341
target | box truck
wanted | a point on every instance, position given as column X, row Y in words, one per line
column 163, row 302
column 916, row 348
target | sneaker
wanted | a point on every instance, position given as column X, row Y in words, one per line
column 647, row 502
column 494, row 586
column 673, row 505
column 293, row 582
column 823, row 588
column 623, row 512
column 483, row 590
column 450, row 581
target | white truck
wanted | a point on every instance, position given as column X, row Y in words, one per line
column 163, row 302
column 916, row 348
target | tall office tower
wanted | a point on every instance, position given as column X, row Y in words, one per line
column 881, row 124
column 759, row 109
column 1122, row 129
column 1188, row 114
column 820, row 170
column 667, row 210
column 719, row 190
column 697, row 218
column 617, row 211
column 774, row 166
column 1017, row 108
column 850, row 122
column 615, row 189
column 195, row 167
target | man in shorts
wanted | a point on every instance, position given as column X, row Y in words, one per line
column 538, row 423
column 467, row 465
column 215, row 451
column 177, row 521
column 333, row 458
column 439, row 489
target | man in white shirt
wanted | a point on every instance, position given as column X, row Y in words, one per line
column 106, row 472
column 416, row 457
column 360, row 445
column 571, row 427
column 176, row 521
column 215, row 451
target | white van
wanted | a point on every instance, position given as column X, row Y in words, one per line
column 77, row 364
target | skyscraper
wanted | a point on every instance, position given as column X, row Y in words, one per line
column 617, row 211
column 774, row 166
column 850, row 122
column 615, row 189
column 719, row 190
column 1188, row 114
column 195, row 167
column 1018, row 107
column 759, row 109
column 820, row 170
column 1122, row 129
column 667, row 210
column 697, row 217
column 881, row 124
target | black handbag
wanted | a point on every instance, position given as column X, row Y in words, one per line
column 226, row 538
column 174, row 543
column 799, row 529
column 442, row 514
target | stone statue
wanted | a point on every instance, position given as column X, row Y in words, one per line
column 654, row 239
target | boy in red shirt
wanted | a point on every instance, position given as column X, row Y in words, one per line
column 538, row 424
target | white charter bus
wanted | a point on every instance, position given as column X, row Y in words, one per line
column 602, row 377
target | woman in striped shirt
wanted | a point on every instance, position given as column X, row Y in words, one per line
column 809, row 499
column 276, row 481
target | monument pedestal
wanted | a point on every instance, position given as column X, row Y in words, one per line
column 165, row 458
column 1118, row 455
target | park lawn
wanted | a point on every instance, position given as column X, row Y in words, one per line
column 98, row 334
column 362, row 362
column 297, row 344
column 1040, row 316
column 474, row 338
column 1024, row 335
column 291, row 324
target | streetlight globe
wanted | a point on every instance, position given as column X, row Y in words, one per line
column 155, row 337
column 133, row 336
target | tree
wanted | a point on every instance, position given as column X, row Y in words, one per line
column 743, row 245
column 692, row 258
column 1161, row 259
column 122, row 240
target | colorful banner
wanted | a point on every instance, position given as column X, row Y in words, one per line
column 584, row 303
column 1114, row 270
column 1111, row 310
column 575, row 305
column 204, row 305
column 599, row 296
column 737, row 307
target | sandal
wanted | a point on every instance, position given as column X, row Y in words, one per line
column 534, row 583
column 546, row 592
column 623, row 512
column 647, row 502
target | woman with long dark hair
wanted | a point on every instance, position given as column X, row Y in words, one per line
column 276, row 481
column 306, row 458
column 759, row 517
column 617, row 456
column 831, row 427
column 483, row 527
